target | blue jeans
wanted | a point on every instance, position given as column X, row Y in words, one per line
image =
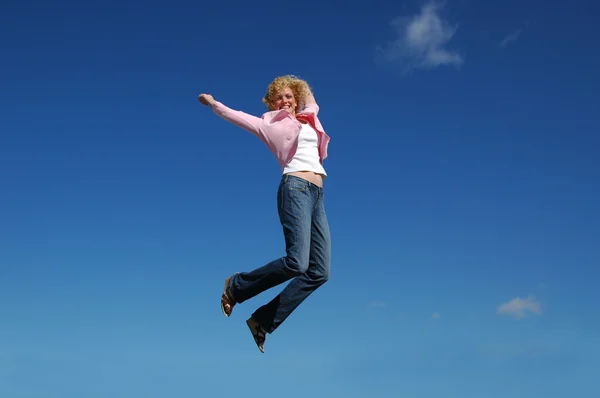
column 308, row 251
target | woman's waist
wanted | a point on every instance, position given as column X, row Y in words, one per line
column 310, row 176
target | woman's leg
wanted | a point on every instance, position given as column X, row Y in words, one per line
column 296, row 203
column 271, row 315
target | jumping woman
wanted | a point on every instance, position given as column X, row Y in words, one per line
column 292, row 131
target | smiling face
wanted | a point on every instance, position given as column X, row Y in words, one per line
column 286, row 92
column 284, row 99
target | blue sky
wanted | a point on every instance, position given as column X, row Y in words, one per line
column 462, row 198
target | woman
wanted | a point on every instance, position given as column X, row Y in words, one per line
column 292, row 131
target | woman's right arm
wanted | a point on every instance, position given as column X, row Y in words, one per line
column 241, row 119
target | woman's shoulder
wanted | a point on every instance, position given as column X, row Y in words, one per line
column 278, row 115
column 311, row 107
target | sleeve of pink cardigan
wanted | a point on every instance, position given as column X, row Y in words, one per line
column 311, row 107
column 241, row 119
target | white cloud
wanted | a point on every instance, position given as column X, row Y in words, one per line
column 436, row 315
column 510, row 38
column 376, row 304
column 421, row 40
column 520, row 308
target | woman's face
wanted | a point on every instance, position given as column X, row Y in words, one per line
column 284, row 99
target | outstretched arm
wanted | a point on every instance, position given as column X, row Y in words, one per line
column 241, row 119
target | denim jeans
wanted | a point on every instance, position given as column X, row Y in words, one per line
column 308, row 251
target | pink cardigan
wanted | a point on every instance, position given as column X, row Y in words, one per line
column 278, row 129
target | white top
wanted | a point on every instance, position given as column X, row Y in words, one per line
column 306, row 157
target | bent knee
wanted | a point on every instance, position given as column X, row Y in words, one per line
column 318, row 275
column 296, row 266
column 323, row 277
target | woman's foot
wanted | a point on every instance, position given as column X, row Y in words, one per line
column 258, row 332
column 227, row 302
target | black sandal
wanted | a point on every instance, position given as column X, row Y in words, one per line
column 259, row 334
column 226, row 299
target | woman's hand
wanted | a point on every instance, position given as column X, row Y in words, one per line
column 206, row 99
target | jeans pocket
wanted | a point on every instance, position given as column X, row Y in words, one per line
column 297, row 184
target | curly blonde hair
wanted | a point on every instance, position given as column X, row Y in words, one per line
column 299, row 87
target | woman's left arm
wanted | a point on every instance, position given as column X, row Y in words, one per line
column 310, row 104
column 310, row 98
